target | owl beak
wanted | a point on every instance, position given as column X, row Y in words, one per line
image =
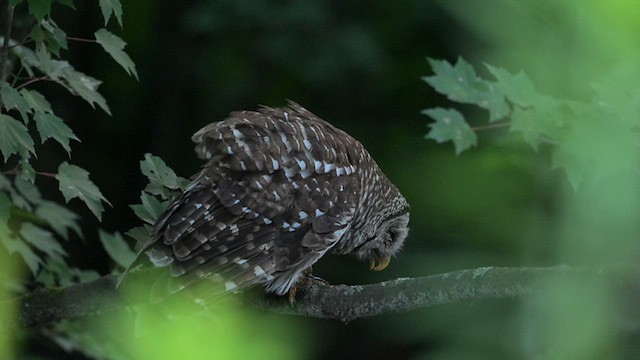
column 378, row 262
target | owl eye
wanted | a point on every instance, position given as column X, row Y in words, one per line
column 393, row 237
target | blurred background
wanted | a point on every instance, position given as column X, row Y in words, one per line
column 359, row 65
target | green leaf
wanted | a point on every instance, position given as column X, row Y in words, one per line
column 117, row 248
column 74, row 183
column 461, row 84
column 28, row 190
column 150, row 209
column 42, row 240
column 14, row 2
column 55, row 267
column 20, row 247
column 59, row 218
column 457, row 82
column 161, row 177
column 5, row 204
column 36, row 101
column 86, row 87
column 109, row 7
column 27, row 173
column 68, row 3
column 12, row 99
column 450, row 126
column 141, row 234
column 115, row 46
column 14, row 138
column 524, row 121
column 55, row 37
column 51, row 126
column 517, row 88
column 493, row 100
column 55, row 69
column 84, row 275
column 39, row 8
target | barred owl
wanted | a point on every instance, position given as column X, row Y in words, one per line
column 280, row 188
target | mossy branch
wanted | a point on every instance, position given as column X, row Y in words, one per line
column 343, row 302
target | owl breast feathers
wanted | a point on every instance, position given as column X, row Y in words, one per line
column 280, row 189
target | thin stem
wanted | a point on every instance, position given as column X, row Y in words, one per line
column 16, row 171
column 81, row 39
column 33, row 80
column 490, row 126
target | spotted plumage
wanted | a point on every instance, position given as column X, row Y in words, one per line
column 279, row 190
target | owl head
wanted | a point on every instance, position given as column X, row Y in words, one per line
column 386, row 241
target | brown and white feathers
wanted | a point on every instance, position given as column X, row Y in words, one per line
column 280, row 189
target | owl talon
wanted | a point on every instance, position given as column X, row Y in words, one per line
column 292, row 294
column 306, row 279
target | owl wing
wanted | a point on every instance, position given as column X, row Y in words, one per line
column 277, row 193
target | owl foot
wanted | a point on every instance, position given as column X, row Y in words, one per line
column 305, row 279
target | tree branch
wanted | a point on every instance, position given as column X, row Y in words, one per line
column 342, row 302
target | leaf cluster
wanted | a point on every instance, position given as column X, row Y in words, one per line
column 32, row 227
column 590, row 140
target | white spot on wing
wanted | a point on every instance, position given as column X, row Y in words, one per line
column 230, row 285
column 258, row 271
column 327, row 167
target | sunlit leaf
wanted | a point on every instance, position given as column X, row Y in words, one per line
column 51, row 126
column 74, row 183
column 450, row 126
column 115, row 47
column 110, row 7
column 117, row 248
column 14, row 138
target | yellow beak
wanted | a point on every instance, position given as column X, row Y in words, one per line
column 378, row 264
